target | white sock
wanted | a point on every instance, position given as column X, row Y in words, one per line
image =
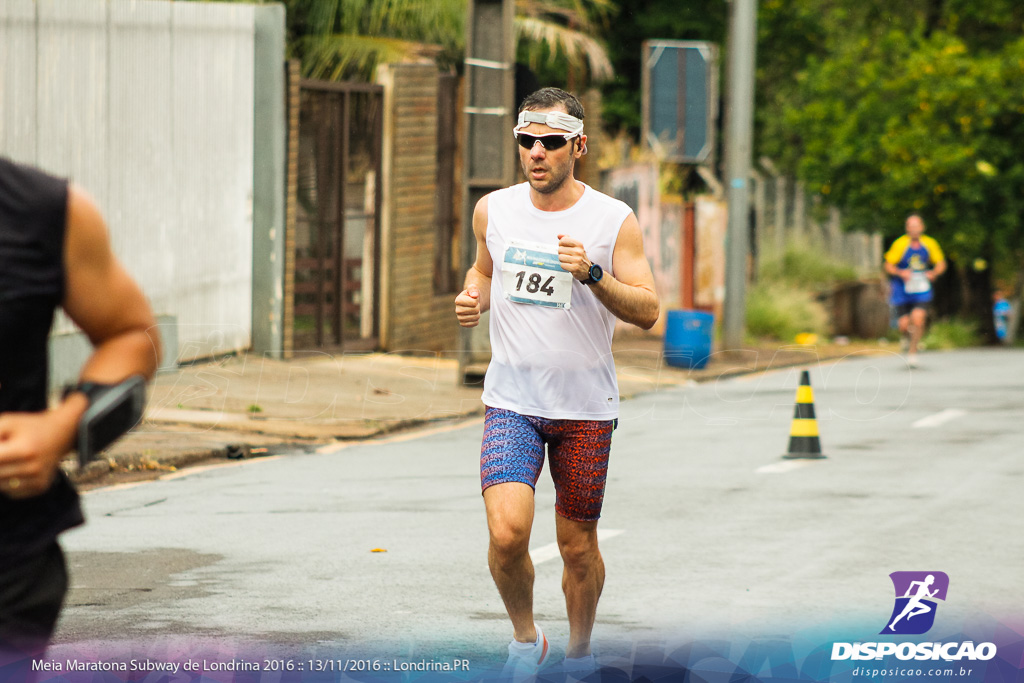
column 526, row 647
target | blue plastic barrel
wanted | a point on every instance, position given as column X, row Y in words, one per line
column 688, row 338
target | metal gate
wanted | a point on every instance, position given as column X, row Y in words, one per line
column 337, row 228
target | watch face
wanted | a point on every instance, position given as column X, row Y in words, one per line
column 596, row 272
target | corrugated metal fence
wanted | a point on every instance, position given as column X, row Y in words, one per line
column 149, row 106
column 786, row 216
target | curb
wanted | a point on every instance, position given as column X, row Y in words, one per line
column 135, row 455
column 237, row 435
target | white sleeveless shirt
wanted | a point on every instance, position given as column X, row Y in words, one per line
column 547, row 361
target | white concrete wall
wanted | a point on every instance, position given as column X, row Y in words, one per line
column 149, row 106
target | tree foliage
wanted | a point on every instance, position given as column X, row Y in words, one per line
column 561, row 40
column 342, row 39
column 348, row 39
column 909, row 107
column 639, row 20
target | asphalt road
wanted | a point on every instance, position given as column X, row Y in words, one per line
column 706, row 533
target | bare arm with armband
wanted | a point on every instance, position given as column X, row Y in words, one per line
column 104, row 301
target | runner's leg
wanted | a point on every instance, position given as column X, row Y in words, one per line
column 31, row 596
column 510, row 462
column 917, row 317
column 509, row 520
column 582, row 580
column 578, row 459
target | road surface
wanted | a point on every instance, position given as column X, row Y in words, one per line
column 707, row 531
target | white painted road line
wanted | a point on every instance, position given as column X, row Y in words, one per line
column 939, row 418
column 550, row 551
column 784, row 466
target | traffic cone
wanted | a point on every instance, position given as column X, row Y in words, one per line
column 803, row 433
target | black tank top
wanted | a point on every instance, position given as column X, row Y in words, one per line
column 33, row 214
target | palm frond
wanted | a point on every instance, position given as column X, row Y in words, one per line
column 579, row 14
column 322, row 15
column 340, row 56
column 580, row 49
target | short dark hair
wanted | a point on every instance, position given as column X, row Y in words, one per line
column 547, row 98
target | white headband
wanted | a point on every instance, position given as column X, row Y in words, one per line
column 552, row 119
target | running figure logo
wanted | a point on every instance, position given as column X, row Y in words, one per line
column 916, row 593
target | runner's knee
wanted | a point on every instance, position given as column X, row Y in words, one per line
column 580, row 552
column 509, row 539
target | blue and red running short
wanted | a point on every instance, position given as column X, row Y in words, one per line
column 513, row 451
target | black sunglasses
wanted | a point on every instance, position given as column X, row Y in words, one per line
column 548, row 141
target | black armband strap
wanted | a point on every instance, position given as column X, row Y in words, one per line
column 113, row 410
column 92, row 390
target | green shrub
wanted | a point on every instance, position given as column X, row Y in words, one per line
column 952, row 333
column 804, row 267
column 781, row 312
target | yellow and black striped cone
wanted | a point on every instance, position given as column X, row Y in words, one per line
column 803, row 433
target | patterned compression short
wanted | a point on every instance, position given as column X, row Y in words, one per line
column 513, row 450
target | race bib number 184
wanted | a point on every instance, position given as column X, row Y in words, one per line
column 531, row 274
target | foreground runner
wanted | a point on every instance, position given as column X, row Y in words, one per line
column 54, row 251
column 556, row 263
column 913, row 262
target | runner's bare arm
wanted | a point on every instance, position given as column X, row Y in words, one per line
column 475, row 297
column 630, row 294
column 102, row 299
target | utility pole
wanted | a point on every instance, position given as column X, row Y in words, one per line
column 490, row 161
column 738, row 145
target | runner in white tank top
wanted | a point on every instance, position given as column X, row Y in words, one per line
column 547, row 360
column 557, row 262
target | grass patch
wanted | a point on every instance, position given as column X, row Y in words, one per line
column 803, row 267
column 952, row 333
column 779, row 311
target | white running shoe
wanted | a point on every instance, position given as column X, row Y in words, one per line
column 525, row 659
column 912, row 360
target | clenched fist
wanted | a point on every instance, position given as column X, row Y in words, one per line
column 31, row 448
column 467, row 306
column 572, row 256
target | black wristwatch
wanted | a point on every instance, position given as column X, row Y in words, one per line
column 594, row 276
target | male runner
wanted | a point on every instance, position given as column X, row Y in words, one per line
column 556, row 263
column 913, row 262
column 54, row 251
